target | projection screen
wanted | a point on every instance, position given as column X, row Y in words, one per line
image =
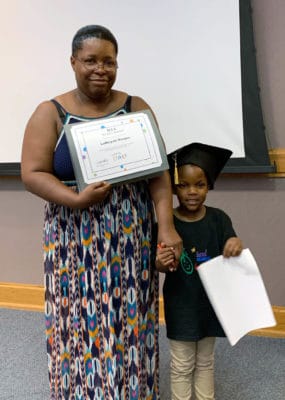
column 184, row 57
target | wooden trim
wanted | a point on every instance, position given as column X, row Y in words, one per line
column 277, row 331
column 31, row 298
column 161, row 311
column 277, row 157
column 22, row 296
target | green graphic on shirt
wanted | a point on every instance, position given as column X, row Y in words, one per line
column 186, row 263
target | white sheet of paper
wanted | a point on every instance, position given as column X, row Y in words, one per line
column 237, row 293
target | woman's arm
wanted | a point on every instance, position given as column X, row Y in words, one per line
column 39, row 142
column 161, row 193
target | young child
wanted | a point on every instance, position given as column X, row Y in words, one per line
column 206, row 232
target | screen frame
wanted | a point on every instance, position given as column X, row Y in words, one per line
column 256, row 158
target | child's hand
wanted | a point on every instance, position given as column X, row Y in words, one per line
column 233, row 247
column 165, row 258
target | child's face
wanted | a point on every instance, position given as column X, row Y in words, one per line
column 192, row 188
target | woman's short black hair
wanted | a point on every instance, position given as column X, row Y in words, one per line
column 92, row 31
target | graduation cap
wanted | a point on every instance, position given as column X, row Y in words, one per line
column 210, row 159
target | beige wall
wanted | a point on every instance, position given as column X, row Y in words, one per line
column 256, row 204
column 269, row 30
column 21, row 221
column 256, row 207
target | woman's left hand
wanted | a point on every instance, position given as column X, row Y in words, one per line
column 165, row 258
column 171, row 239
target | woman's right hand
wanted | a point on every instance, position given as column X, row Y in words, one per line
column 39, row 142
column 92, row 194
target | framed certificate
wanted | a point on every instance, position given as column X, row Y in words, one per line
column 124, row 148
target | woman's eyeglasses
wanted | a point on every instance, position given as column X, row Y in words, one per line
column 108, row 65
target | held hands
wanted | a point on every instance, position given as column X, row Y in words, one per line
column 169, row 250
column 170, row 238
column 92, row 194
column 165, row 258
column 233, row 247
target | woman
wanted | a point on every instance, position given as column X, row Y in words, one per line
column 101, row 293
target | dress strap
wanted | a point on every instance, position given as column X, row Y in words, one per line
column 127, row 105
column 61, row 111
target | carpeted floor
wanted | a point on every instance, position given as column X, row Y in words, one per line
column 254, row 369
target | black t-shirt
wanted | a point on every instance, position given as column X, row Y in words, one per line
column 188, row 312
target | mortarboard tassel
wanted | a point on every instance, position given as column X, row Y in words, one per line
column 176, row 179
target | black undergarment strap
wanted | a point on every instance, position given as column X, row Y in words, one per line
column 127, row 105
column 60, row 109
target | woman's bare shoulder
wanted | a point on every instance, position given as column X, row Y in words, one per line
column 45, row 114
column 45, row 108
column 138, row 103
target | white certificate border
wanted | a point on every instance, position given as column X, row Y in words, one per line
column 156, row 142
column 80, row 143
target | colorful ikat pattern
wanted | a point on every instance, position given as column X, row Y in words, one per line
column 101, row 299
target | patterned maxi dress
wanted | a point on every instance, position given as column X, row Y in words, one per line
column 101, row 294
